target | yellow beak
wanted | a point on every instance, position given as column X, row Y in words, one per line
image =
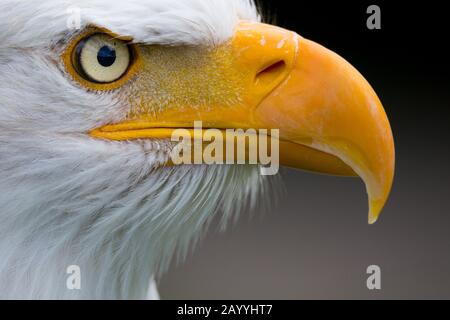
column 330, row 119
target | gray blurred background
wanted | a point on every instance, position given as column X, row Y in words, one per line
column 316, row 242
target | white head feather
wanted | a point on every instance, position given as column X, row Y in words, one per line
column 67, row 199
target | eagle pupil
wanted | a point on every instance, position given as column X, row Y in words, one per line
column 106, row 56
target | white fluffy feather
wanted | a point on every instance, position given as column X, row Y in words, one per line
column 67, row 199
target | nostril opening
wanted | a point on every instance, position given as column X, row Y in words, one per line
column 271, row 72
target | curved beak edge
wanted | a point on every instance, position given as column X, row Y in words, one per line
column 327, row 105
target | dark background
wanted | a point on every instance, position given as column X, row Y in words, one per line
column 316, row 243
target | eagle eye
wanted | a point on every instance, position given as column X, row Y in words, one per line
column 101, row 58
column 100, row 61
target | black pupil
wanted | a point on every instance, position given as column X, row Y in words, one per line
column 106, row 56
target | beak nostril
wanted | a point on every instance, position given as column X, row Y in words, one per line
column 271, row 73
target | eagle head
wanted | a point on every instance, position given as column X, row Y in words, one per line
column 91, row 92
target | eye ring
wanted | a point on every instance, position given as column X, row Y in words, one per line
column 100, row 60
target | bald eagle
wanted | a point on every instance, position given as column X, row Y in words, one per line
column 86, row 114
